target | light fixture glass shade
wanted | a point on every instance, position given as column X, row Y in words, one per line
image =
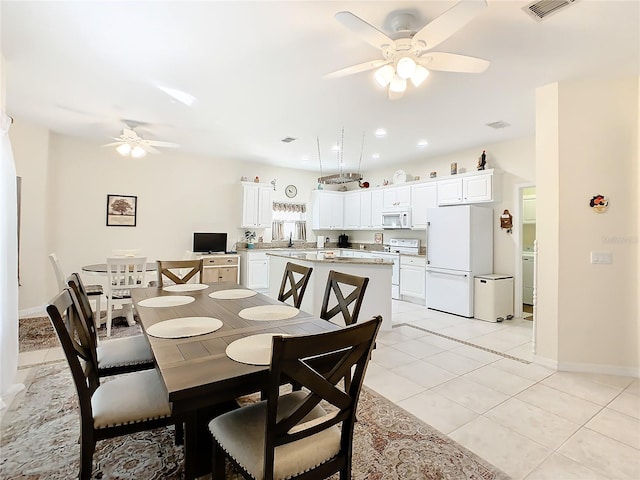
column 384, row 75
column 138, row 152
column 419, row 75
column 124, row 149
column 406, row 66
column 398, row 84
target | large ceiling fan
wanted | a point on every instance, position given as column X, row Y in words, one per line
column 130, row 143
column 408, row 55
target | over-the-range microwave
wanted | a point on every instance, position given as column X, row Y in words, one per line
column 399, row 218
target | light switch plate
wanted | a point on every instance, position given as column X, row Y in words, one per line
column 601, row 257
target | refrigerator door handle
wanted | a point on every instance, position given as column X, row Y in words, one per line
column 448, row 273
column 426, row 249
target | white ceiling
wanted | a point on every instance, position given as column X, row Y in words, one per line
column 256, row 70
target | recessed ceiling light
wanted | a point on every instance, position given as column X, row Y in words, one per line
column 335, row 148
column 422, row 143
column 182, row 97
column 288, row 139
column 381, row 132
column 305, row 158
column 375, row 155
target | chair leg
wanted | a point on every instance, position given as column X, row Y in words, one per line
column 128, row 308
column 109, row 316
column 179, row 434
column 87, row 449
column 96, row 317
column 217, row 469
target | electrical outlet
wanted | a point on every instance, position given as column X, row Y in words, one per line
column 601, row 257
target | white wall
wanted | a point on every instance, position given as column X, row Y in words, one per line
column 65, row 189
column 592, row 321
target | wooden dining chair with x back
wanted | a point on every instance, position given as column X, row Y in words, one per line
column 178, row 271
column 292, row 287
column 114, row 356
column 343, row 291
column 125, row 404
column 292, row 435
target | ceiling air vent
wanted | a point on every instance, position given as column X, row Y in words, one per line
column 497, row 125
column 288, row 139
column 544, row 8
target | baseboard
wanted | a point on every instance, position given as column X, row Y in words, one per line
column 598, row 368
column 32, row 312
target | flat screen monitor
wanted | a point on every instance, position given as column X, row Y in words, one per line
column 209, row 242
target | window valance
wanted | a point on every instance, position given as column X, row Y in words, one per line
column 289, row 207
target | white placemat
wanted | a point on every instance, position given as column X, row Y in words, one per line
column 168, row 301
column 232, row 294
column 253, row 350
column 186, row 287
column 268, row 312
column 184, row 327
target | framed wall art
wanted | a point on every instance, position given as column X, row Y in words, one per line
column 121, row 210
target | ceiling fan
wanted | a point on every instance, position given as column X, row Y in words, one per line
column 129, row 143
column 408, row 55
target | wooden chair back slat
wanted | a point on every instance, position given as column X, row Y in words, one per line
column 335, row 283
column 166, row 269
column 290, row 287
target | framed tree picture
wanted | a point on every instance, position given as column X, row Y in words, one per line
column 121, row 210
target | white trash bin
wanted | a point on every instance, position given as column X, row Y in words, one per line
column 493, row 297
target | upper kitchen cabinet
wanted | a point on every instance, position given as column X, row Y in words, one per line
column 328, row 210
column 366, row 207
column 257, row 209
column 423, row 196
column 394, row 197
column 471, row 188
column 529, row 209
column 377, row 205
column 353, row 211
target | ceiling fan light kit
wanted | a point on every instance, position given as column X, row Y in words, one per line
column 129, row 143
column 407, row 52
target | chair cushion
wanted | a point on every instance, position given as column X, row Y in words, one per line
column 119, row 352
column 130, row 398
column 242, row 435
column 94, row 289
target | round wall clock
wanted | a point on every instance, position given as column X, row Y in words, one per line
column 291, row 191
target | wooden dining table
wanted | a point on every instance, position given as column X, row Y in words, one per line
column 199, row 377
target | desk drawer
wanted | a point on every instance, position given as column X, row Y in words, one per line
column 217, row 261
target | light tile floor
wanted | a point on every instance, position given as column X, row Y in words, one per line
column 532, row 422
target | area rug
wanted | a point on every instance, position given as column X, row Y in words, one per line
column 37, row 333
column 40, row 441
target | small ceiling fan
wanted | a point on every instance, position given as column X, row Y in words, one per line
column 129, row 143
column 408, row 55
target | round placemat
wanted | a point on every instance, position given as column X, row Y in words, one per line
column 168, row 301
column 252, row 350
column 184, row 327
column 186, row 287
column 268, row 312
column 232, row 294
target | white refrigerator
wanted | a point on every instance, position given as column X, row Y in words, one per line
column 459, row 247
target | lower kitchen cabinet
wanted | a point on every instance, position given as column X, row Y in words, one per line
column 221, row 268
column 255, row 270
column 412, row 277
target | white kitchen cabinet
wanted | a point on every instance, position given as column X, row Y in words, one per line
column 352, row 210
column 394, row 197
column 257, row 209
column 366, row 222
column 255, row 270
column 412, row 277
column 475, row 188
column 529, row 209
column 423, row 196
column 377, row 205
column 328, row 210
column 527, row 279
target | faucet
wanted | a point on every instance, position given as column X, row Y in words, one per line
column 290, row 240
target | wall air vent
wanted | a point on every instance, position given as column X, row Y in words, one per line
column 288, row 139
column 543, row 8
column 497, row 125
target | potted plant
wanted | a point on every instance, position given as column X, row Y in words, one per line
column 250, row 237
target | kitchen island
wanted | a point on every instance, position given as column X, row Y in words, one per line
column 377, row 299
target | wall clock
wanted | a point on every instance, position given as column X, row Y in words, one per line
column 291, row 191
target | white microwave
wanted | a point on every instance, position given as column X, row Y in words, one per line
column 396, row 219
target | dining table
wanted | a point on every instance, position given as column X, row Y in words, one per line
column 198, row 374
column 101, row 268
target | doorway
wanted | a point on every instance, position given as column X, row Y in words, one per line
column 525, row 230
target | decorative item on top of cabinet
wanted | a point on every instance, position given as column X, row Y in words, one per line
column 454, row 168
column 482, row 161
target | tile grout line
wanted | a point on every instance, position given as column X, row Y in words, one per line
column 464, row 342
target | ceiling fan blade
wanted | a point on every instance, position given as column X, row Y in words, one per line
column 158, row 143
column 367, row 32
column 362, row 67
column 451, row 62
column 150, row 149
column 438, row 30
column 113, row 143
column 395, row 95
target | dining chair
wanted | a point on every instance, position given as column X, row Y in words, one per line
column 179, row 271
column 123, row 275
column 294, row 288
column 292, row 435
column 123, row 405
column 115, row 356
column 338, row 283
column 94, row 292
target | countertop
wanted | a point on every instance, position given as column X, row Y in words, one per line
column 321, row 258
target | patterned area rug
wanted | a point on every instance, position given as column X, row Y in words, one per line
column 40, row 441
column 37, row 333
